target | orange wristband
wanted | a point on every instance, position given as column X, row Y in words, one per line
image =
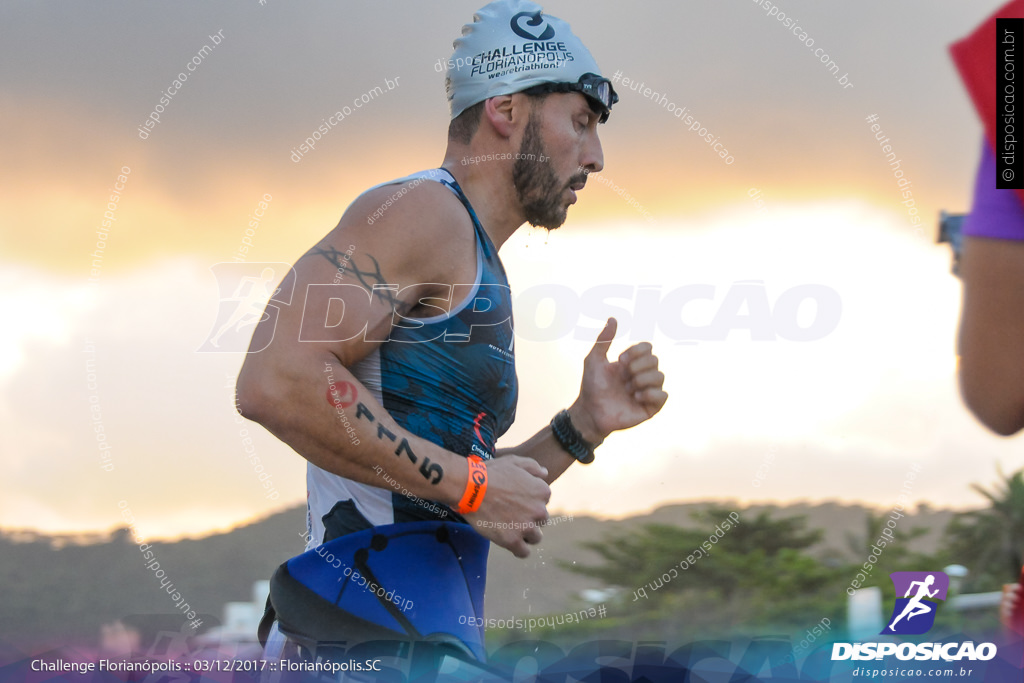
column 476, row 486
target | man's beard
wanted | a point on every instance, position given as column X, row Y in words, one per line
column 537, row 186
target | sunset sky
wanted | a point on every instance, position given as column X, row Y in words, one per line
column 840, row 417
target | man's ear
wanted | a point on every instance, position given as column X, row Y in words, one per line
column 501, row 113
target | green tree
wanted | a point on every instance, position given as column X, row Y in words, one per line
column 990, row 541
column 896, row 555
column 756, row 573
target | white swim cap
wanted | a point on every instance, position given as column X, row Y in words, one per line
column 511, row 46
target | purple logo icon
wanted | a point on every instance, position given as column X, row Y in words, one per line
column 914, row 612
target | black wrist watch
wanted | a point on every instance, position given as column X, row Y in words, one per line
column 570, row 439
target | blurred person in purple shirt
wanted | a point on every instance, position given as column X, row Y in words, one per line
column 991, row 343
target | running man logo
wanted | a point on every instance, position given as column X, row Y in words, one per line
column 249, row 293
column 914, row 613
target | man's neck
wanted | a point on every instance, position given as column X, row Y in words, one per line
column 489, row 189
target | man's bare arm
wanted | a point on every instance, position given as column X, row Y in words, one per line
column 378, row 445
column 992, row 332
column 613, row 396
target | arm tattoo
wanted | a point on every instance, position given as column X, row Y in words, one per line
column 426, row 469
column 404, row 446
column 432, row 472
column 362, row 410
column 373, row 280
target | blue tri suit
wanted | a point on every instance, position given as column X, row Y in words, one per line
column 386, row 559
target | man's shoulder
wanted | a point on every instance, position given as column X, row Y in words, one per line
column 417, row 224
column 419, row 203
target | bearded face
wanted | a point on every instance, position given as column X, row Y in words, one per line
column 539, row 190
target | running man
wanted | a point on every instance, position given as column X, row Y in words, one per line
column 916, row 606
column 418, row 341
column 249, row 309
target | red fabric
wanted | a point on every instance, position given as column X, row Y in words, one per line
column 1017, row 616
column 975, row 58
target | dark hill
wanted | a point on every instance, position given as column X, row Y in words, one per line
column 58, row 590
